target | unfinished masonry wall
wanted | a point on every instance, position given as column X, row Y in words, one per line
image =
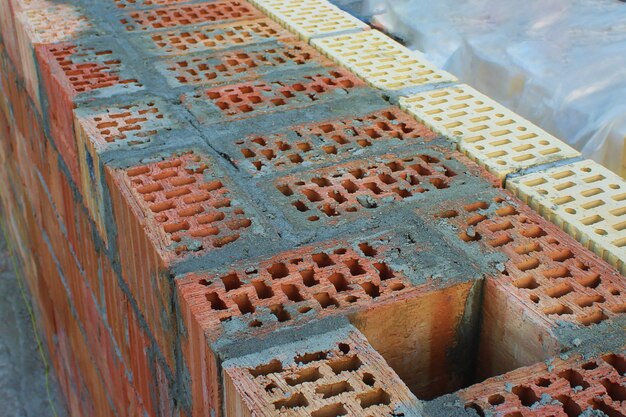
column 265, row 208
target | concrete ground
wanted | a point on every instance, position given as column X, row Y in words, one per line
column 23, row 391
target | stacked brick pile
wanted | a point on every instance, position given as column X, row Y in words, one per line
column 265, row 208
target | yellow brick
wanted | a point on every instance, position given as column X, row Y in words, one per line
column 309, row 18
column 586, row 200
column 381, row 61
column 486, row 131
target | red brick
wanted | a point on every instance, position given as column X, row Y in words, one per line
column 548, row 278
column 253, row 300
column 261, row 97
column 183, row 15
column 333, row 374
column 101, row 128
column 163, row 212
column 214, row 37
column 239, row 65
column 561, row 387
column 330, row 140
column 69, row 70
column 130, row 4
column 347, row 189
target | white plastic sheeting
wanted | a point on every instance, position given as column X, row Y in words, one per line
column 559, row 63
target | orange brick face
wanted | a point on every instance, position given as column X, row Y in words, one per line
column 364, row 184
column 215, row 37
column 251, row 99
column 240, row 65
column 547, row 270
column 167, row 17
column 187, row 203
column 85, row 69
column 321, row 142
column 347, row 377
column 562, row 388
column 295, row 286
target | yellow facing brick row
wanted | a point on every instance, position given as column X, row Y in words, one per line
column 309, row 18
column 486, row 131
column 381, row 61
column 585, row 199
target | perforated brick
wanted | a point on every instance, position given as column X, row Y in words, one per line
column 586, row 200
column 56, row 23
column 130, row 4
column 239, row 65
column 356, row 186
column 183, row 15
column 488, row 132
column 85, row 69
column 186, row 204
column 132, row 124
column 341, row 375
column 254, row 98
column 296, row 284
column 551, row 274
column 380, row 61
column 45, row 25
column 329, row 140
column 573, row 387
column 68, row 73
column 310, row 17
column 116, row 126
column 393, row 287
column 214, row 37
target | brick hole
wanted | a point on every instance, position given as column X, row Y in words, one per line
column 598, row 404
column 593, row 318
column 231, row 282
column 295, row 401
column 384, row 271
column 371, row 289
column 332, row 390
column 479, row 205
column 355, row 267
column 216, row 302
column 345, row 364
column 589, row 300
column 308, row 277
column 589, row 366
column 574, row 378
column 304, row 375
column 349, row 186
column 278, row 270
column 332, row 410
column 375, row 397
column 311, row 357
column 263, row 291
column 558, row 309
column 369, row 379
column 559, row 290
column 569, row 406
column 312, row 195
column 558, row 272
column 617, row 392
column 271, row 387
column 255, row 323
column 339, row 282
column 292, row 292
column 244, row 304
column 300, row 206
column 526, row 395
column 322, row 260
column 325, row 300
column 528, row 282
column 273, row 367
column 285, row 190
column 590, row 280
column 448, row 214
column 279, row 311
column 475, row 407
